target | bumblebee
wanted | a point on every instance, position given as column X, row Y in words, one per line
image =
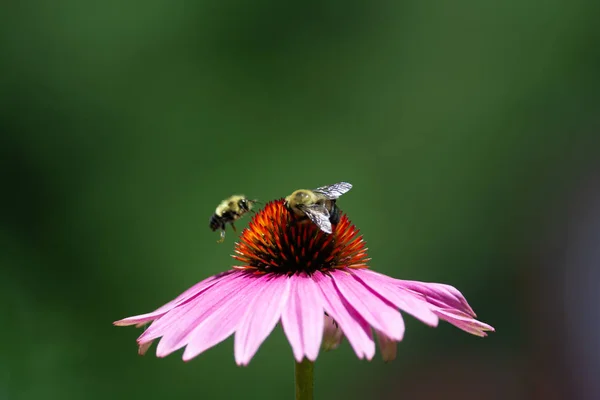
column 318, row 205
column 229, row 211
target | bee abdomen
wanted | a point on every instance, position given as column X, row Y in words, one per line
column 335, row 214
column 216, row 222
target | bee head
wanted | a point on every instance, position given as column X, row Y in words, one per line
column 246, row 204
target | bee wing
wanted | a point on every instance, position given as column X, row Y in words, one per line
column 319, row 215
column 332, row 192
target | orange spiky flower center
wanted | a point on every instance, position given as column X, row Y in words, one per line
column 277, row 241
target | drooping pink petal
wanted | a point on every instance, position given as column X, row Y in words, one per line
column 332, row 334
column 143, row 348
column 439, row 294
column 352, row 324
column 183, row 297
column 405, row 301
column 387, row 346
column 198, row 310
column 182, row 317
column 379, row 314
column 223, row 321
column 465, row 322
column 260, row 317
column 302, row 317
column 448, row 304
column 361, row 322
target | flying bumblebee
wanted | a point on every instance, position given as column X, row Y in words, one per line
column 318, row 205
column 229, row 211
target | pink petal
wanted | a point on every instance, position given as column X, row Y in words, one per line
column 448, row 304
column 223, row 321
column 404, row 300
column 261, row 317
column 210, row 302
column 465, row 322
column 332, row 334
column 387, row 346
column 352, row 324
column 143, row 348
column 444, row 296
column 179, row 320
column 302, row 317
column 378, row 313
column 183, row 297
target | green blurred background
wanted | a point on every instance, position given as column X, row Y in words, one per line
column 468, row 128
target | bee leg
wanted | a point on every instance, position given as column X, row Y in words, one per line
column 233, row 227
column 222, row 237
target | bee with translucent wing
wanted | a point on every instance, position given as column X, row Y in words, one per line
column 318, row 205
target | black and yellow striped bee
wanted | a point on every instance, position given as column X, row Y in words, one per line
column 229, row 211
column 318, row 205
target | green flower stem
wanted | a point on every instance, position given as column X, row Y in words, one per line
column 304, row 380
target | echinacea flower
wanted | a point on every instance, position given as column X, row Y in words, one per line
column 312, row 283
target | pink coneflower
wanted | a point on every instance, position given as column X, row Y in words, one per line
column 310, row 281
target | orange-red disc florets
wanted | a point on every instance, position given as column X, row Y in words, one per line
column 276, row 241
